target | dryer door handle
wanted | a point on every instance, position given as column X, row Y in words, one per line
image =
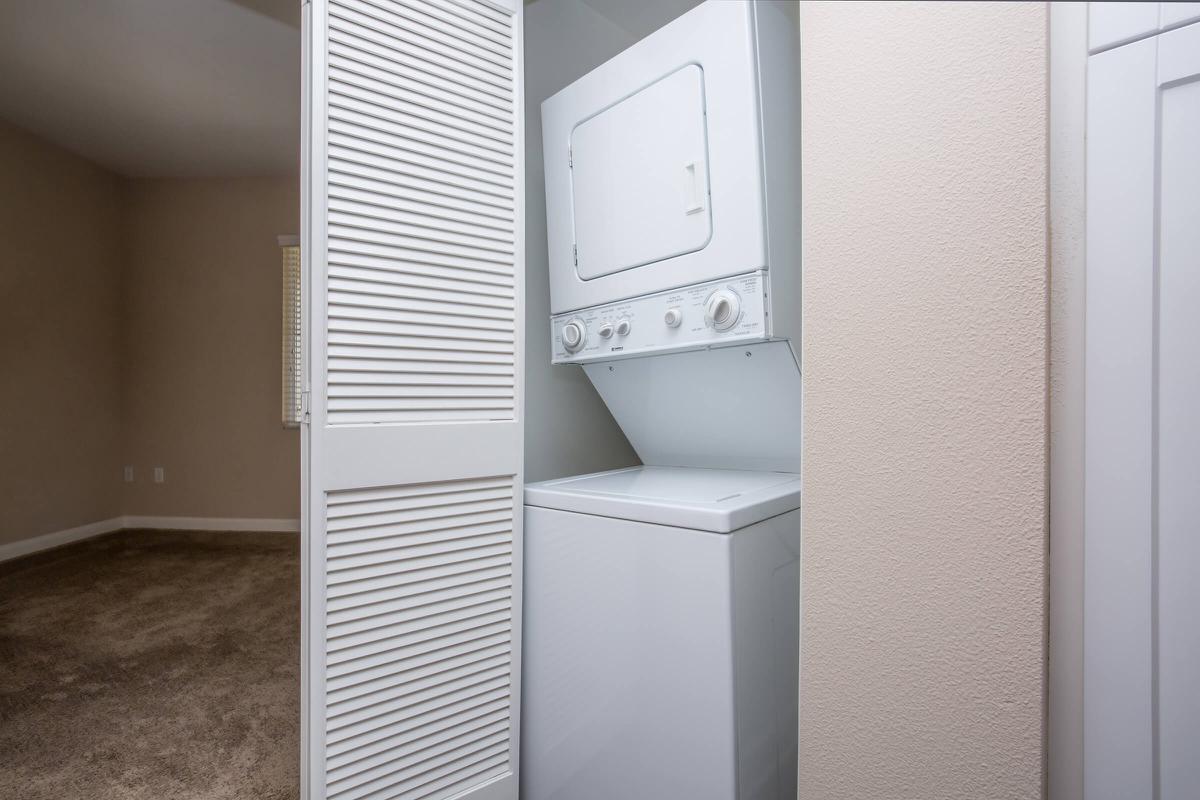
column 695, row 188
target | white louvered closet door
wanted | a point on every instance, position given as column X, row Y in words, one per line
column 413, row 258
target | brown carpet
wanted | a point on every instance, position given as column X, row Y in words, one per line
column 152, row 664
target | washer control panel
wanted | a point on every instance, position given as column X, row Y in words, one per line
column 706, row 314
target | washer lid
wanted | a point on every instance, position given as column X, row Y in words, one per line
column 716, row 500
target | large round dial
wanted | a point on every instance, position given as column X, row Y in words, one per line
column 574, row 335
column 722, row 309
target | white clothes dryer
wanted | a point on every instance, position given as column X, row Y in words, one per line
column 673, row 189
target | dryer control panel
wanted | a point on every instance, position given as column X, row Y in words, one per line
column 706, row 314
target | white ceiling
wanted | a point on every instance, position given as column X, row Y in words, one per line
column 157, row 88
column 641, row 17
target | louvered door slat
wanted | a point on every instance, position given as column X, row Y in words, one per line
column 418, row 258
column 477, row 288
column 369, row 312
column 382, row 540
column 416, row 125
column 456, row 41
column 437, row 187
column 415, row 171
column 423, row 248
column 344, row 505
column 406, row 771
column 431, row 52
column 427, row 88
column 413, row 240
column 356, row 147
column 370, row 692
column 439, row 196
column 354, row 45
column 361, row 341
column 434, row 208
column 371, row 772
column 464, row 27
column 384, row 638
column 373, row 753
column 391, row 564
column 446, row 736
column 474, row 25
column 427, row 102
column 349, row 282
column 351, row 681
column 434, row 233
column 363, row 300
column 393, row 721
column 428, row 225
column 474, row 289
column 363, row 614
column 424, row 288
column 477, row 15
column 414, row 357
column 369, row 756
column 459, row 607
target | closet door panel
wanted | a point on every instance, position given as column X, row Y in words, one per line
column 1110, row 24
column 1178, row 523
column 1172, row 15
column 1118, row 746
column 413, row 259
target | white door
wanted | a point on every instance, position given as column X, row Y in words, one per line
column 1142, row 447
column 413, row 258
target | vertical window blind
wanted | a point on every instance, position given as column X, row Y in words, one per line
column 292, row 378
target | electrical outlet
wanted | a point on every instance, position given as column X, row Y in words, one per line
column 129, row 474
column 159, row 475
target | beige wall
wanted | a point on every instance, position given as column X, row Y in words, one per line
column 925, row 348
column 201, row 349
column 59, row 390
column 139, row 325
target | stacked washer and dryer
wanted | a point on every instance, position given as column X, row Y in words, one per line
column 661, row 623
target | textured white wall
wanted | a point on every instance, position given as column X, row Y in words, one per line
column 568, row 429
column 925, row 355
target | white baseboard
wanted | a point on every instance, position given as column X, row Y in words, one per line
column 47, row 541
column 213, row 524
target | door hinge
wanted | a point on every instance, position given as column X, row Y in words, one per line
column 304, row 407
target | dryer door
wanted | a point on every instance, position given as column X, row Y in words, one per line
column 639, row 178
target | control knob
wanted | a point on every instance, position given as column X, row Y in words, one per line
column 673, row 317
column 623, row 327
column 722, row 309
column 574, row 335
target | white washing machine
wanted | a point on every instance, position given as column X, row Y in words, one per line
column 661, row 658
